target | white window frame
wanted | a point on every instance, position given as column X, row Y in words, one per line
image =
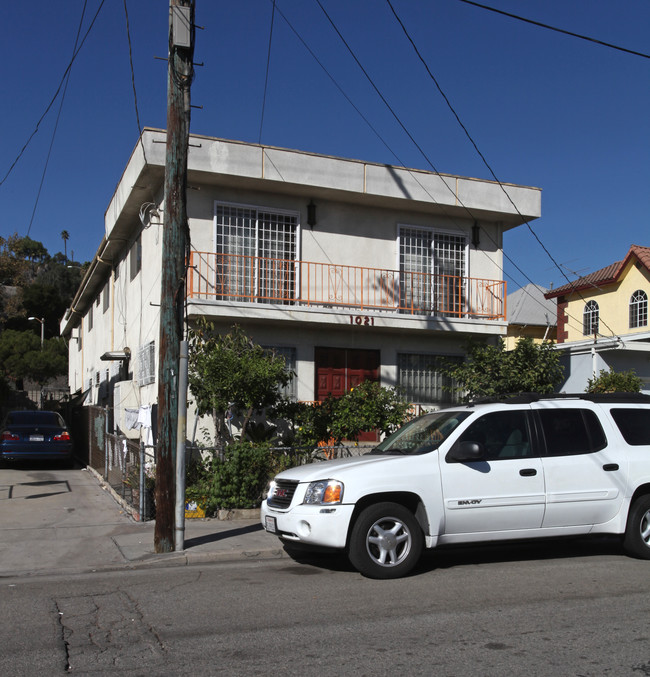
column 435, row 234
column 591, row 318
column 258, row 209
column 147, row 363
column 638, row 309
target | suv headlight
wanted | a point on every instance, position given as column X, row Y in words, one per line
column 324, row 492
column 269, row 490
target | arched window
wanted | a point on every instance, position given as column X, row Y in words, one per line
column 638, row 309
column 590, row 319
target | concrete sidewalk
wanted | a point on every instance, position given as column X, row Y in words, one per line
column 70, row 521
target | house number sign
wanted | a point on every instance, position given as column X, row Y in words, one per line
column 362, row 320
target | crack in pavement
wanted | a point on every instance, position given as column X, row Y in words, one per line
column 107, row 632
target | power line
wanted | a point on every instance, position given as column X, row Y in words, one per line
column 406, row 131
column 526, row 277
column 63, row 79
column 485, row 162
column 56, row 124
column 556, row 29
column 135, row 93
column 266, row 79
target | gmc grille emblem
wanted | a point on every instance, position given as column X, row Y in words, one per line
column 280, row 493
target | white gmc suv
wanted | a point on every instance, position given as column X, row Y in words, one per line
column 526, row 467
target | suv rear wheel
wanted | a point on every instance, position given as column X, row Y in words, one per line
column 386, row 541
column 637, row 532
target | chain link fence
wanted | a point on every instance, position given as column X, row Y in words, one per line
column 128, row 466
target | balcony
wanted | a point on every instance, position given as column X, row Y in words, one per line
column 252, row 279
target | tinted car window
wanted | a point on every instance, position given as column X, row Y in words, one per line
column 503, row 434
column 423, row 434
column 571, row 431
column 34, row 418
column 634, row 425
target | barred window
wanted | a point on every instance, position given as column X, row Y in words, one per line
column 590, row 319
column 147, row 363
column 639, row 309
column 256, row 252
column 432, row 268
column 290, row 391
column 421, row 380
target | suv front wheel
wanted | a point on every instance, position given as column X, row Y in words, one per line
column 386, row 541
column 637, row 532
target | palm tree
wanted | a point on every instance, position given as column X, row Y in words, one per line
column 65, row 236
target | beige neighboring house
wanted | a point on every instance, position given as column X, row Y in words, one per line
column 602, row 321
column 530, row 315
column 352, row 270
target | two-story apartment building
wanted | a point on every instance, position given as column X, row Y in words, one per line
column 602, row 321
column 351, row 269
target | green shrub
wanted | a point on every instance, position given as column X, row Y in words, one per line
column 614, row 382
column 238, row 480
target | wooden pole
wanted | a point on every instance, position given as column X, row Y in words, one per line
column 174, row 255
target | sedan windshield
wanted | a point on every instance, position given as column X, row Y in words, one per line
column 423, row 434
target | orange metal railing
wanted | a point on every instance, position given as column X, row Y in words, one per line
column 229, row 277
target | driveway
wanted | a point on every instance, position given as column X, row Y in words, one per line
column 58, row 520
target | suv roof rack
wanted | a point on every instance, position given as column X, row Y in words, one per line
column 529, row 398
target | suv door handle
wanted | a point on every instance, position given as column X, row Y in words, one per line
column 610, row 466
column 528, row 472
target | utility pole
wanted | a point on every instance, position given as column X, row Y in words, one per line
column 174, row 261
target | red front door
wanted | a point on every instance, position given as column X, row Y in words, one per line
column 340, row 369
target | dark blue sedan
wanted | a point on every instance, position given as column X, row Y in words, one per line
column 35, row 436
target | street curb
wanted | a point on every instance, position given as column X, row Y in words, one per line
column 185, row 558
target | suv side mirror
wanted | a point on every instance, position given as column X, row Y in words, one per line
column 466, row 452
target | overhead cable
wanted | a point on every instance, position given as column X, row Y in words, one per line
column 63, row 79
column 557, row 30
column 56, row 124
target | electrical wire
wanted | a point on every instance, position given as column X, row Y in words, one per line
column 56, row 124
column 266, row 79
column 428, row 160
column 56, row 94
column 476, row 148
column 135, row 93
column 393, row 152
column 557, row 30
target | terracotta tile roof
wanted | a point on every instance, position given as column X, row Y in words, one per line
column 605, row 275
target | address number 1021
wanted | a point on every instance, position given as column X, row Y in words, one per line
column 362, row 320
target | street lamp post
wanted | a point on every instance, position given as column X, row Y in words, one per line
column 42, row 321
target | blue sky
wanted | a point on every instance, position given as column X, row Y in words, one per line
column 544, row 109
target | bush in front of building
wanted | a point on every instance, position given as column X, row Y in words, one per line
column 237, row 478
column 367, row 407
column 614, row 382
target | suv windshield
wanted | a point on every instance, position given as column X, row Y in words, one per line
column 423, row 434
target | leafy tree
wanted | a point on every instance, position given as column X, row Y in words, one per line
column 614, row 382
column 13, row 268
column 21, row 357
column 365, row 408
column 490, row 370
column 29, row 249
column 45, row 301
column 229, row 372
